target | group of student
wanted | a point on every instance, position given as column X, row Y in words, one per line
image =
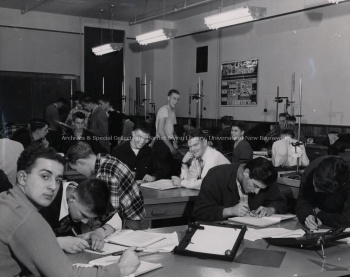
column 42, row 215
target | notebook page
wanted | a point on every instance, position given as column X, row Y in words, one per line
column 160, row 185
column 137, row 238
column 213, row 240
column 142, row 269
column 256, row 221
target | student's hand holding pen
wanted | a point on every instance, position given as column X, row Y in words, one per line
column 241, row 209
column 312, row 222
column 129, row 262
column 95, row 238
column 72, row 244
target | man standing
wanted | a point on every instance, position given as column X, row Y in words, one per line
column 98, row 121
column 125, row 195
column 165, row 147
column 235, row 190
column 115, row 120
column 137, row 155
column 26, row 240
column 201, row 157
column 52, row 115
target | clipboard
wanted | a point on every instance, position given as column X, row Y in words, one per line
column 231, row 247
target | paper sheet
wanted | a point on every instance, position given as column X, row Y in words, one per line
column 255, row 234
column 213, row 240
column 163, row 184
column 142, row 269
column 262, row 221
column 137, row 238
column 165, row 245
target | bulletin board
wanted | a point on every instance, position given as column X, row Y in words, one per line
column 239, row 83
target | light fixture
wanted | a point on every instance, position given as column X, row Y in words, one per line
column 335, row 1
column 155, row 36
column 108, row 47
column 234, row 17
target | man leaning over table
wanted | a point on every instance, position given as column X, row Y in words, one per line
column 226, row 189
column 125, row 195
column 27, row 243
column 76, row 204
column 197, row 161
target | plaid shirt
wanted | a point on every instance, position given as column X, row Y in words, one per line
column 125, row 195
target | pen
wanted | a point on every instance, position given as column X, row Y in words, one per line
column 316, row 219
column 74, row 232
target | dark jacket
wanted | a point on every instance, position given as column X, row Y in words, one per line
column 219, row 190
column 69, row 139
column 335, row 208
column 142, row 164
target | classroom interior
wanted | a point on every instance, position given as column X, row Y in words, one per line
column 45, row 53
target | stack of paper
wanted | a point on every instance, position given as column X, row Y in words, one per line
column 163, row 184
column 261, row 221
column 255, row 234
column 137, row 238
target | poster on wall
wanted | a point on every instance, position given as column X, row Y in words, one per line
column 239, row 82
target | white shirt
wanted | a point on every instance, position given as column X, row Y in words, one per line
column 170, row 121
column 282, row 153
column 9, row 153
column 192, row 176
column 115, row 222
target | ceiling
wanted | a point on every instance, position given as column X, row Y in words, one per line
column 124, row 10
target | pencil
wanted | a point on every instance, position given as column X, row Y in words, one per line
column 316, row 219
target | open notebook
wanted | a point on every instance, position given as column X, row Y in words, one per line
column 163, row 184
column 142, row 269
column 261, row 221
column 137, row 238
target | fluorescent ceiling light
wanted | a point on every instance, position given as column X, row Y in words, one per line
column 234, row 17
column 155, row 36
column 335, row 1
column 107, row 48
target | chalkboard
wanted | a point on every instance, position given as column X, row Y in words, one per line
column 25, row 95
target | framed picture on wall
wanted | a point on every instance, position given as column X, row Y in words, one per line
column 239, row 83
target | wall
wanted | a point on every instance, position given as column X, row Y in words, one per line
column 312, row 44
column 51, row 43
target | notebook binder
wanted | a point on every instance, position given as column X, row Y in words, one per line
column 229, row 255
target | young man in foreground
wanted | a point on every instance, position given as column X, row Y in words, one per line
column 26, row 240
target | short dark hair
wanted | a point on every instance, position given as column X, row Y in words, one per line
column 227, row 120
column 143, row 126
column 79, row 150
column 94, row 194
column 289, row 132
column 37, row 123
column 62, row 100
column 28, row 157
column 173, row 91
column 282, row 115
column 197, row 133
column 262, row 170
column 88, row 99
column 105, row 99
column 79, row 115
column 241, row 125
column 291, row 118
column 331, row 174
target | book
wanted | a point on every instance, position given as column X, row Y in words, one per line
column 138, row 238
column 261, row 222
column 163, row 184
column 142, row 269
